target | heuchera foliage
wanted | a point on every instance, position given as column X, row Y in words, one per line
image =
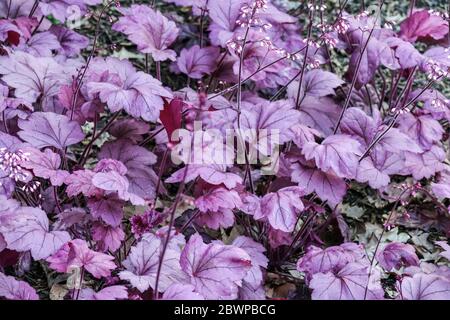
column 99, row 200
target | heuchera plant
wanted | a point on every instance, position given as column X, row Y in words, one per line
column 223, row 149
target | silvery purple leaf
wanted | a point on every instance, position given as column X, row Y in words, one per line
column 109, row 209
column 224, row 15
column 151, row 31
column 426, row 164
column 336, row 154
column 444, row 245
column 213, row 174
column 71, row 42
column 47, row 129
column 142, row 265
column 45, row 165
column 421, row 25
column 180, row 291
column 395, row 255
column 76, row 254
column 317, row 83
column 281, row 208
column 441, row 188
column 349, row 283
column 327, row 185
column 196, row 62
column 28, row 229
column 138, row 160
column 32, row 77
column 12, row 289
column 214, row 269
column 138, row 93
column 108, row 238
column 423, row 286
column 108, row 293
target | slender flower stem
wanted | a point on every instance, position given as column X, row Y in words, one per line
column 147, row 65
column 355, row 74
column 202, row 16
column 94, row 46
column 161, row 171
column 385, row 227
column 169, row 230
column 87, row 149
column 194, row 215
column 302, row 72
column 80, row 284
column 33, row 8
column 394, row 119
column 9, row 9
column 254, row 73
column 239, row 98
column 55, row 194
column 5, row 124
column 158, row 70
column 409, row 81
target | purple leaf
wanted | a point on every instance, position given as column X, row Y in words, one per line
column 108, row 238
column 41, row 44
column 28, row 229
column 395, row 255
column 446, row 247
column 423, row 129
column 421, row 25
column 224, row 15
column 131, row 129
column 423, row 286
column 47, row 129
column 196, row 62
column 142, row 265
column 332, row 259
column 319, row 113
column 61, row 9
column 179, row 291
column 281, row 208
column 32, row 77
column 327, row 186
column 441, row 188
column 408, row 56
column 138, row 93
column 336, row 154
column 71, row 42
column 109, row 209
column 110, row 181
column 108, row 293
column 254, row 278
column 45, row 165
column 76, row 254
column 426, row 164
column 152, row 32
column 80, row 181
column 12, row 289
column 214, row 269
column 138, row 160
column 217, row 199
column 317, row 83
column 216, row 207
column 266, row 121
column 212, row 174
column 349, row 283
column 376, row 168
